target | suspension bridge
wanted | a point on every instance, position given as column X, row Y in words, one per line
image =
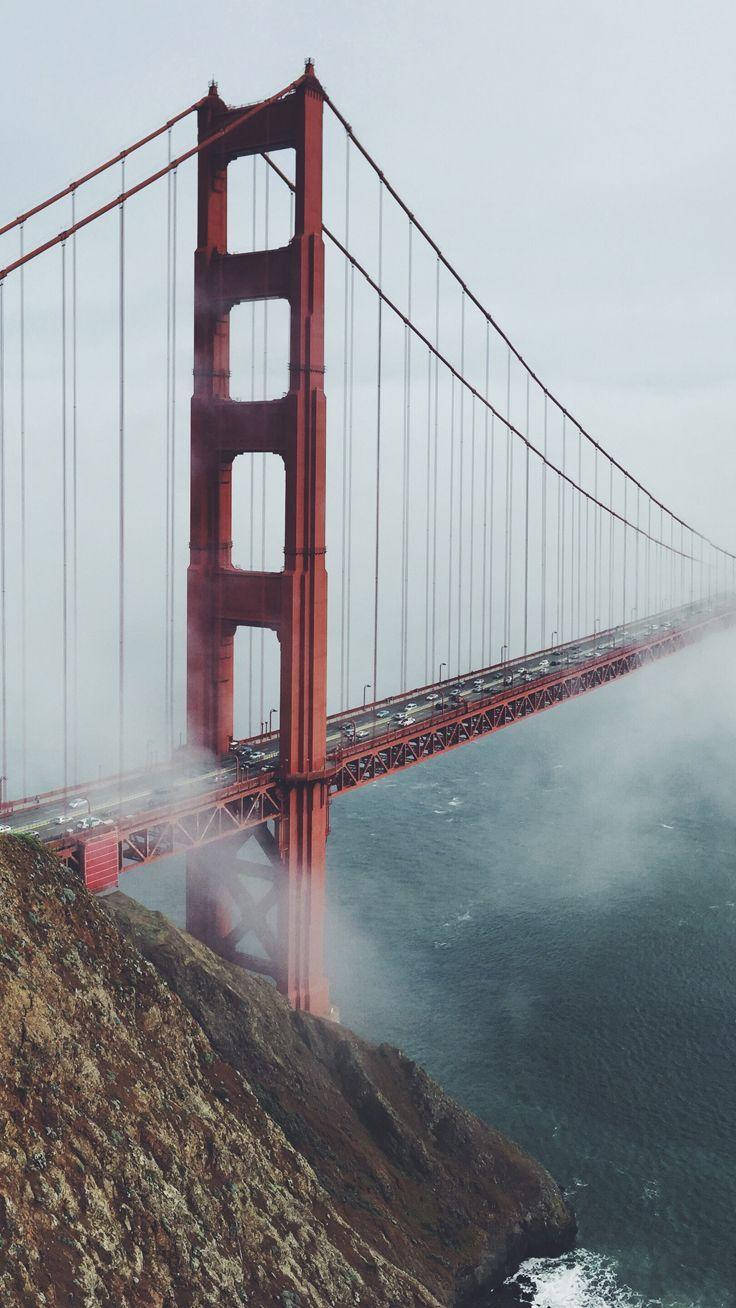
column 488, row 558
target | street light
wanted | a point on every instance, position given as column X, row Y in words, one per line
column 552, row 637
column 270, row 719
column 366, row 687
column 442, row 665
column 503, row 647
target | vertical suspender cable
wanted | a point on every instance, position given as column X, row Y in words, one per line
column 507, row 538
column 405, row 476
column 167, row 445
column 461, row 492
column 378, row 442
column 558, row 625
column 636, row 538
column 471, row 578
column 172, row 475
column 252, row 487
column 526, row 530
column 344, row 523
column 435, row 442
column 263, row 456
column 351, row 386
column 649, row 556
column 428, row 496
column 3, row 609
column 450, row 578
column 625, row 535
column 578, row 623
column 485, row 597
column 596, row 540
column 407, row 479
column 610, row 546
column 64, row 532
column 586, row 615
column 544, row 533
column 563, row 551
column 121, row 478
column 23, row 536
column 75, row 519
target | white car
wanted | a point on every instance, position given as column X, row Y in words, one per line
column 5, row 828
column 411, row 705
column 407, row 722
column 432, row 697
column 383, row 713
column 77, row 803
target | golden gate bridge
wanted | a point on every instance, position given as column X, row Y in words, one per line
column 488, row 558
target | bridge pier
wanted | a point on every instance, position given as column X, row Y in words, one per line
column 235, row 905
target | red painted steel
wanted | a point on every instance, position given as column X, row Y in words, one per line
column 99, row 861
column 293, row 602
column 249, row 804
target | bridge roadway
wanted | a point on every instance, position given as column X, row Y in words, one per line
column 192, row 801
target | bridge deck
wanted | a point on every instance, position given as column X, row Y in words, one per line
column 169, row 810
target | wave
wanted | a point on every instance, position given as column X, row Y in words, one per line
column 579, row 1280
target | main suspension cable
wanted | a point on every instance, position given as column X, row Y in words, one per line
column 474, row 299
column 118, row 200
column 454, row 372
column 101, row 168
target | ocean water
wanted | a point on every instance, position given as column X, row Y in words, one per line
column 547, row 921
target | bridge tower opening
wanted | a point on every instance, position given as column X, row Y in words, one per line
column 293, row 602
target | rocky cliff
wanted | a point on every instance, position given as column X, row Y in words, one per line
column 173, row 1135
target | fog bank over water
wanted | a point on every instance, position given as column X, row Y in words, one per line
column 547, row 919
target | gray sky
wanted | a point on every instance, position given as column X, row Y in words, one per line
column 575, row 158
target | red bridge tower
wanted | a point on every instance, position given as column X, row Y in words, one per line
column 221, row 907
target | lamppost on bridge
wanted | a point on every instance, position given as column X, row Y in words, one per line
column 366, row 687
column 553, row 637
column 270, row 719
column 439, row 682
column 504, row 647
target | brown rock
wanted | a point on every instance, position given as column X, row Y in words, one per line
column 177, row 1136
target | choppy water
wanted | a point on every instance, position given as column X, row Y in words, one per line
column 547, row 920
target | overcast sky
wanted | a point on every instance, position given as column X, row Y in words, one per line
column 576, row 160
column 573, row 159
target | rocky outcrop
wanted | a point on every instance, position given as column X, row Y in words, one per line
column 173, row 1135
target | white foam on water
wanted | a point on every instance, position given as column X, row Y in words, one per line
column 579, row 1280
